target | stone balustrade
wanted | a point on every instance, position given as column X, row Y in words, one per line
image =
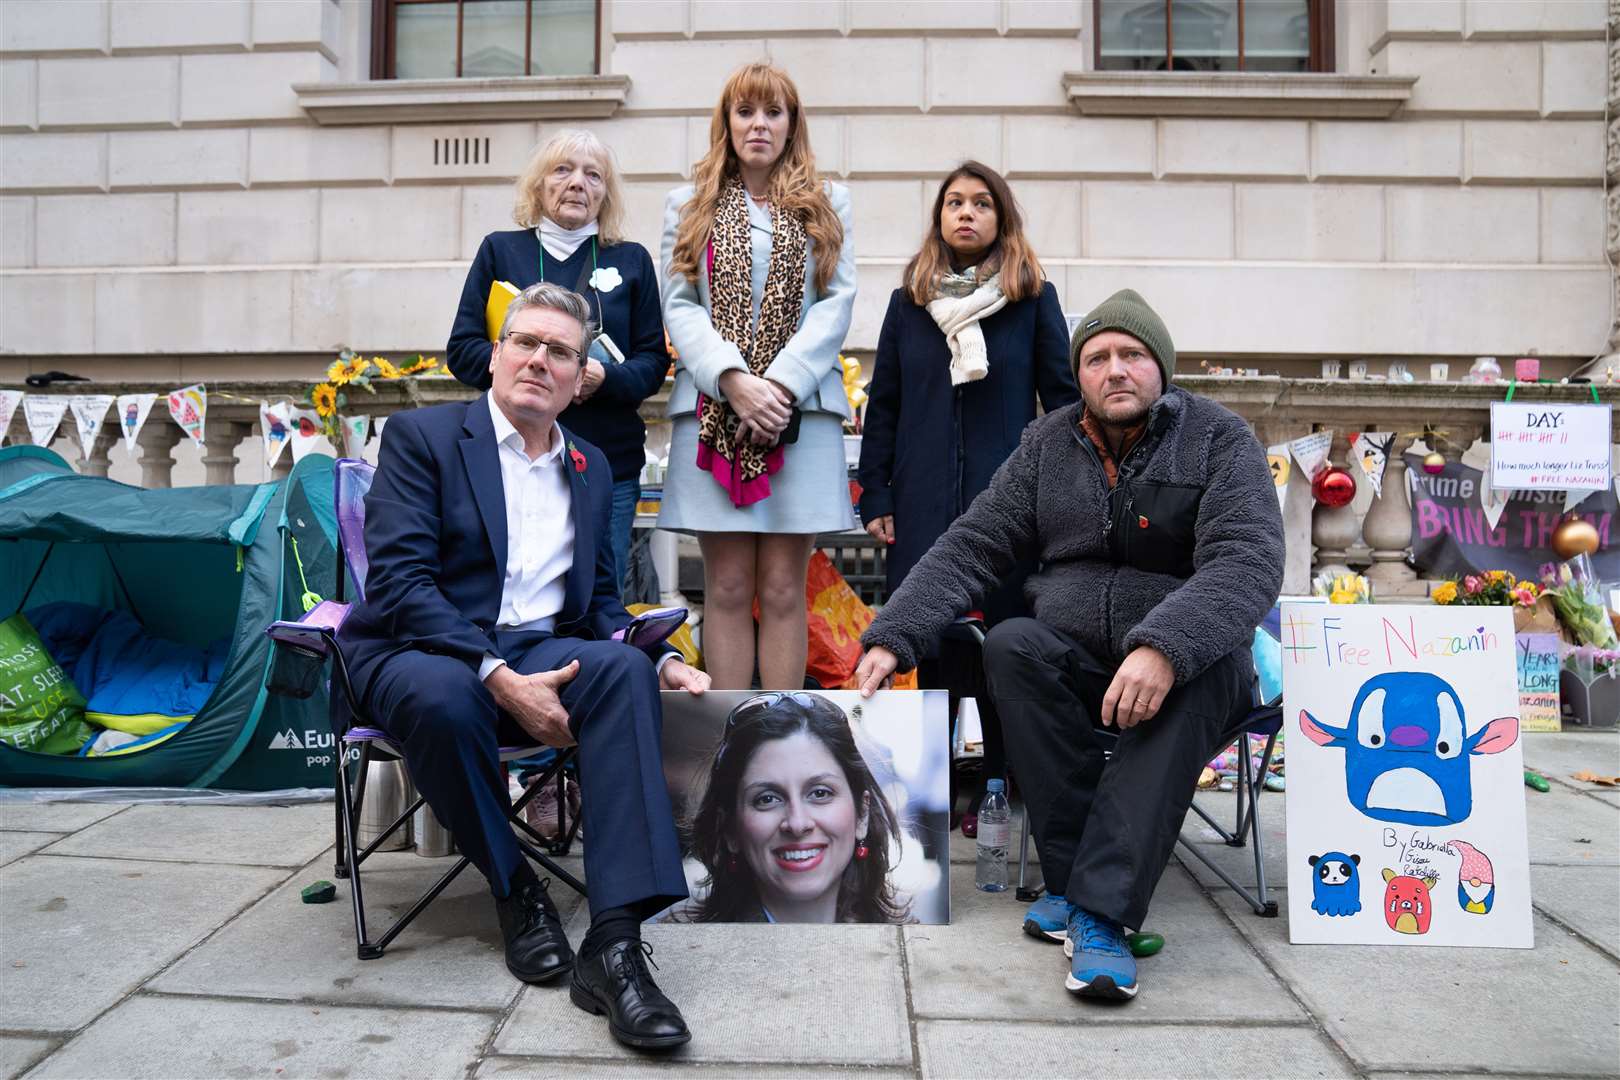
column 1369, row 532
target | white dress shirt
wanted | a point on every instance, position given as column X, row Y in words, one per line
column 539, row 534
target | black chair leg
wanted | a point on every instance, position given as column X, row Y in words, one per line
column 340, row 867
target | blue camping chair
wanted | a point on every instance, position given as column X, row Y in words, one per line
column 1263, row 721
column 314, row 637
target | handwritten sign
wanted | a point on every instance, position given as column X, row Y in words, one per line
column 1538, row 682
column 1541, row 445
column 1406, row 822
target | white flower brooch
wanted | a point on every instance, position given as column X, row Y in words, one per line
column 605, row 279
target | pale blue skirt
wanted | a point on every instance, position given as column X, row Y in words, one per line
column 809, row 493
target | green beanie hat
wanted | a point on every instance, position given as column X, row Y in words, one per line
column 1128, row 312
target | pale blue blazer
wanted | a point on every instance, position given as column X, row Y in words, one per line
column 807, row 366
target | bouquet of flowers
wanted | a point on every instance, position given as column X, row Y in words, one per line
column 351, row 369
column 1493, row 588
column 1344, row 589
column 1578, row 597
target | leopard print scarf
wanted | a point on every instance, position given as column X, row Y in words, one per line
column 745, row 470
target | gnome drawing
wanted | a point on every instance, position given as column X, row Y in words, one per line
column 1476, row 882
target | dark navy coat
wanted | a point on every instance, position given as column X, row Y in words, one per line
column 436, row 537
column 929, row 448
column 629, row 314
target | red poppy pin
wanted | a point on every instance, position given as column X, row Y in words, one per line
column 576, row 457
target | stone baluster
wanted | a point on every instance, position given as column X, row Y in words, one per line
column 1388, row 529
column 219, row 450
column 99, row 462
column 1335, row 530
column 157, row 441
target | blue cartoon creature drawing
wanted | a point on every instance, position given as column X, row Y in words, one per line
column 1337, row 884
column 1476, row 881
column 1407, row 750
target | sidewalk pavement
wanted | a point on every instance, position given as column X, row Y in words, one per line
column 170, row 941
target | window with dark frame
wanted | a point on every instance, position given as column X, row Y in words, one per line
column 456, row 39
column 1213, row 35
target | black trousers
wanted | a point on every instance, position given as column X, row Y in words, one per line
column 1105, row 826
column 452, row 731
column 959, row 670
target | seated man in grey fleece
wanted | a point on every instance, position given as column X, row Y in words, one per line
column 1152, row 516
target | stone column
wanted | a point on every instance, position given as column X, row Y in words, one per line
column 157, row 441
column 98, row 462
column 219, row 451
column 1335, row 529
column 1388, row 529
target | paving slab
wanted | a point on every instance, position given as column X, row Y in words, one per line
column 155, row 1036
column 635, row 1069
column 59, row 817
column 288, row 836
column 284, row 949
column 1559, row 754
column 983, row 966
column 1239, row 862
column 18, row 1053
column 1568, row 828
column 723, row 975
column 1554, row 1008
column 1586, row 898
column 963, row 1049
column 14, row 845
column 82, row 933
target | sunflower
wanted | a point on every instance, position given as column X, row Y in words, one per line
column 344, row 372
column 324, row 398
column 386, row 368
column 423, row 366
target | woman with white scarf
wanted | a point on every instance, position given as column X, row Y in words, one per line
column 571, row 211
column 972, row 339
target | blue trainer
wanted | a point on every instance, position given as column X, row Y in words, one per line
column 1047, row 918
column 1102, row 965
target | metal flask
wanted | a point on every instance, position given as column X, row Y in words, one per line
column 388, row 792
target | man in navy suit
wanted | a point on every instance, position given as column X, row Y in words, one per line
column 488, row 614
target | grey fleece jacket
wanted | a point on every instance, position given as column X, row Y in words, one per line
column 1197, row 480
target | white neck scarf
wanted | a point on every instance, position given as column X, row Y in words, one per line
column 560, row 242
column 958, row 319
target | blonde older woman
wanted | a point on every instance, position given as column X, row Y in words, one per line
column 571, row 209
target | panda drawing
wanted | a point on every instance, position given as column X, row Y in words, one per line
column 1337, row 884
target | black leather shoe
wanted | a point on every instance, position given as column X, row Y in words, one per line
column 536, row 948
column 617, row 982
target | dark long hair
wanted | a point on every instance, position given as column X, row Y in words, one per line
column 864, row 893
column 1011, row 255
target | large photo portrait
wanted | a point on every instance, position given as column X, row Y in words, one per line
column 811, row 806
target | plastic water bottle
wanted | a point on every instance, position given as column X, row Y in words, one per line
column 995, row 829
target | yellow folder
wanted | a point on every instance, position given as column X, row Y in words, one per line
column 501, row 295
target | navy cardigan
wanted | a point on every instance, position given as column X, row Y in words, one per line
column 928, row 448
column 629, row 314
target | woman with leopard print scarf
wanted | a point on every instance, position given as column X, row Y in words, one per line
column 759, row 281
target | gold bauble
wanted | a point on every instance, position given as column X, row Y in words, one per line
column 1574, row 537
column 1434, row 463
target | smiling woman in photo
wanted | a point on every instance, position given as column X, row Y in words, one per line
column 792, row 826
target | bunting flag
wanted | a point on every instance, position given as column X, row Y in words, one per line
column 10, row 399
column 1492, row 500
column 1311, row 451
column 1277, row 458
column 189, row 408
column 275, row 424
column 1370, row 451
column 305, row 433
column 89, row 411
column 381, row 420
column 44, row 415
column 355, row 430
column 132, row 411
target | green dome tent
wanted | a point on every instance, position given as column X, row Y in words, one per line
column 193, row 565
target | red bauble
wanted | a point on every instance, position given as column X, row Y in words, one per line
column 1333, row 487
column 1434, row 463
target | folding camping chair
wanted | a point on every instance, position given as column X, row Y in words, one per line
column 314, row 637
column 1264, row 720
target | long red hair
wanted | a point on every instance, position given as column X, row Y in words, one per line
column 794, row 183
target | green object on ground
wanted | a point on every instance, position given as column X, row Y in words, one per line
column 40, row 709
column 322, row 892
column 1536, row 780
column 1144, row 944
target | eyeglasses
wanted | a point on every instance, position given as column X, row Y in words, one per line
column 760, row 703
column 524, row 346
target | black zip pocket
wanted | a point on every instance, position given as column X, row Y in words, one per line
column 1159, row 527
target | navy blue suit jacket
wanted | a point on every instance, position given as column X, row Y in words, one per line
column 436, row 537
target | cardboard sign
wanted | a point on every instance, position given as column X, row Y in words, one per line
column 1538, row 682
column 1540, row 445
column 1405, row 794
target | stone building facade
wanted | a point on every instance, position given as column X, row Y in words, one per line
column 205, row 190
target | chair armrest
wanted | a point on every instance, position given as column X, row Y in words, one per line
column 315, row 634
